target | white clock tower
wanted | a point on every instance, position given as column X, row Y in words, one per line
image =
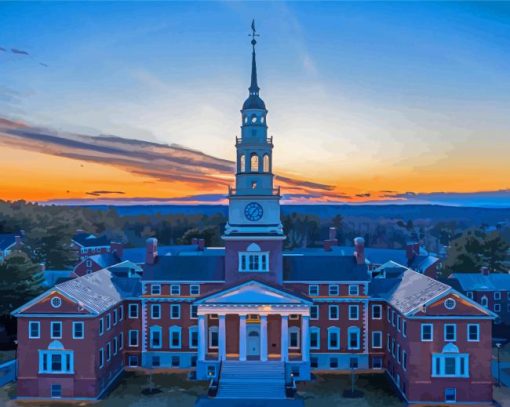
column 254, row 204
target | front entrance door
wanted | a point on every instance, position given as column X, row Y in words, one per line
column 253, row 341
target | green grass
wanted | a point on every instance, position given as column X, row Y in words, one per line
column 327, row 391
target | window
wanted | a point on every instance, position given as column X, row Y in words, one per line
column 404, row 328
column 353, row 363
column 427, row 332
column 393, row 318
column 313, row 290
column 353, row 290
column 133, row 338
column 132, row 361
column 34, row 329
column 56, row 330
column 450, row 332
column 377, row 362
column 353, row 312
column 473, row 332
column 377, row 339
column 121, row 340
column 253, row 262
column 314, row 362
column 315, row 337
column 404, row 360
column 388, row 343
column 353, row 335
column 101, row 326
column 333, row 289
column 115, row 316
column 121, row 313
column 213, row 337
column 450, row 303
column 333, row 312
column 497, row 295
column 450, row 395
column 470, row 294
column 56, row 361
column 78, row 330
column 450, row 363
column 156, row 289
column 242, row 160
column 175, row 337
column 388, row 314
column 398, row 352
column 133, row 311
column 333, row 338
column 497, row 307
column 175, row 311
column 398, row 323
column 108, row 351
column 108, row 322
column 194, row 289
column 101, row 358
column 56, row 391
column 155, row 311
column 115, row 345
column 314, row 312
column 254, row 160
column 376, row 311
column 56, row 302
column 155, row 337
column 193, row 337
column 293, row 337
column 193, row 311
column 265, row 163
column 485, row 301
column 333, row 363
column 175, row 289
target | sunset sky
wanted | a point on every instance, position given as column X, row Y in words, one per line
column 368, row 101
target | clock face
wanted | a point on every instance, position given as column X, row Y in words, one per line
column 253, row 211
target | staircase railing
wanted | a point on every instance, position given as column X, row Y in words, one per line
column 212, row 391
column 290, row 387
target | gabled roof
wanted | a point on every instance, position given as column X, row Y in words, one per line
column 479, row 282
column 104, row 260
column 408, row 291
column 186, row 268
column 7, row 240
column 253, row 292
column 323, row 268
column 90, row 240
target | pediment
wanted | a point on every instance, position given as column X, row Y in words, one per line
column 252, row 292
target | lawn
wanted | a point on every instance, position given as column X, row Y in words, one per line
column 327, row 391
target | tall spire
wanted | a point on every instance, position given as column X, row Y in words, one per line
column 254, row 88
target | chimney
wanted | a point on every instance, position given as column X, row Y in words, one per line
column 118, row 248
column 359, row 250
column 412, row 249
column 485, row 271
column 331, row 241
column 201, row 245
column 151, row 250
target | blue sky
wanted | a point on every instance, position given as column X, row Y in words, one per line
column 404, row 96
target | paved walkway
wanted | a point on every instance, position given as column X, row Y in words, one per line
column 206, row 402
column 504, row 371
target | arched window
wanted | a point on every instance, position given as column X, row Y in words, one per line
column 253, row 118
column 265, row 162
column 333, row 337
column 485, row 301
column 253, row 247
column 254, row 163
column 175, row 337
column 242, row 163
column 155, row 337
column 353, row 337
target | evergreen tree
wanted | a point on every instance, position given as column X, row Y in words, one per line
column 20, row 281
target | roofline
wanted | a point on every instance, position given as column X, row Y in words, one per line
column 326, row 281
column 182, row 281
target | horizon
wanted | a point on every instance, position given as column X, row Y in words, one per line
column 92, row 112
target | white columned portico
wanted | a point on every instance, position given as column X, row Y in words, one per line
column 263, row 338
column 285, row 338
column 202, row 343
column 222, row 339
column 305, row 338
column 242, row 337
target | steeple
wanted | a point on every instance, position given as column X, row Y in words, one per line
column 254, row 101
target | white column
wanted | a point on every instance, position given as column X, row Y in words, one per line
column 202, row 338
column 285, row 338
column 305, row 338
column 263, row 338
column 222, row 344
column 242, row 337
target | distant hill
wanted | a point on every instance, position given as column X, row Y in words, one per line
column 434, row 213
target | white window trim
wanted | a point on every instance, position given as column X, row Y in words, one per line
column 379, row 306
column 404, row 328
column 121, row 313
column 134, row 306
column 315, row 288
column 315, row 330
column 51, row 329
column 108, row 351
column 63, row 354
column 121, row 341
column 108, row 319
column 151, row 337
column 357, row 331
column 191, row 313
column 101, row 358
column 178, row 306
column 497, row 295
column 30, row 323
column 356, row 307
column 477, row 333
column 170, row 332
column 336, row 288
column 497, row 307
column 101, row 326
column 153, row 307
column 191, row 330
column 454, row 333
column 337, row 312
column 431, row 333
column 178, row 286
column 380, row 339
column 356, row 289
column 75, row 323
column 336, row 330
column 211, row 330
column 259, row 269
column 318, row 313
column 459, row 357
column 155, row 289
column 130, row 345
column 197, row 287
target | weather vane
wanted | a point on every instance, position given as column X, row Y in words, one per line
column 253, row 33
